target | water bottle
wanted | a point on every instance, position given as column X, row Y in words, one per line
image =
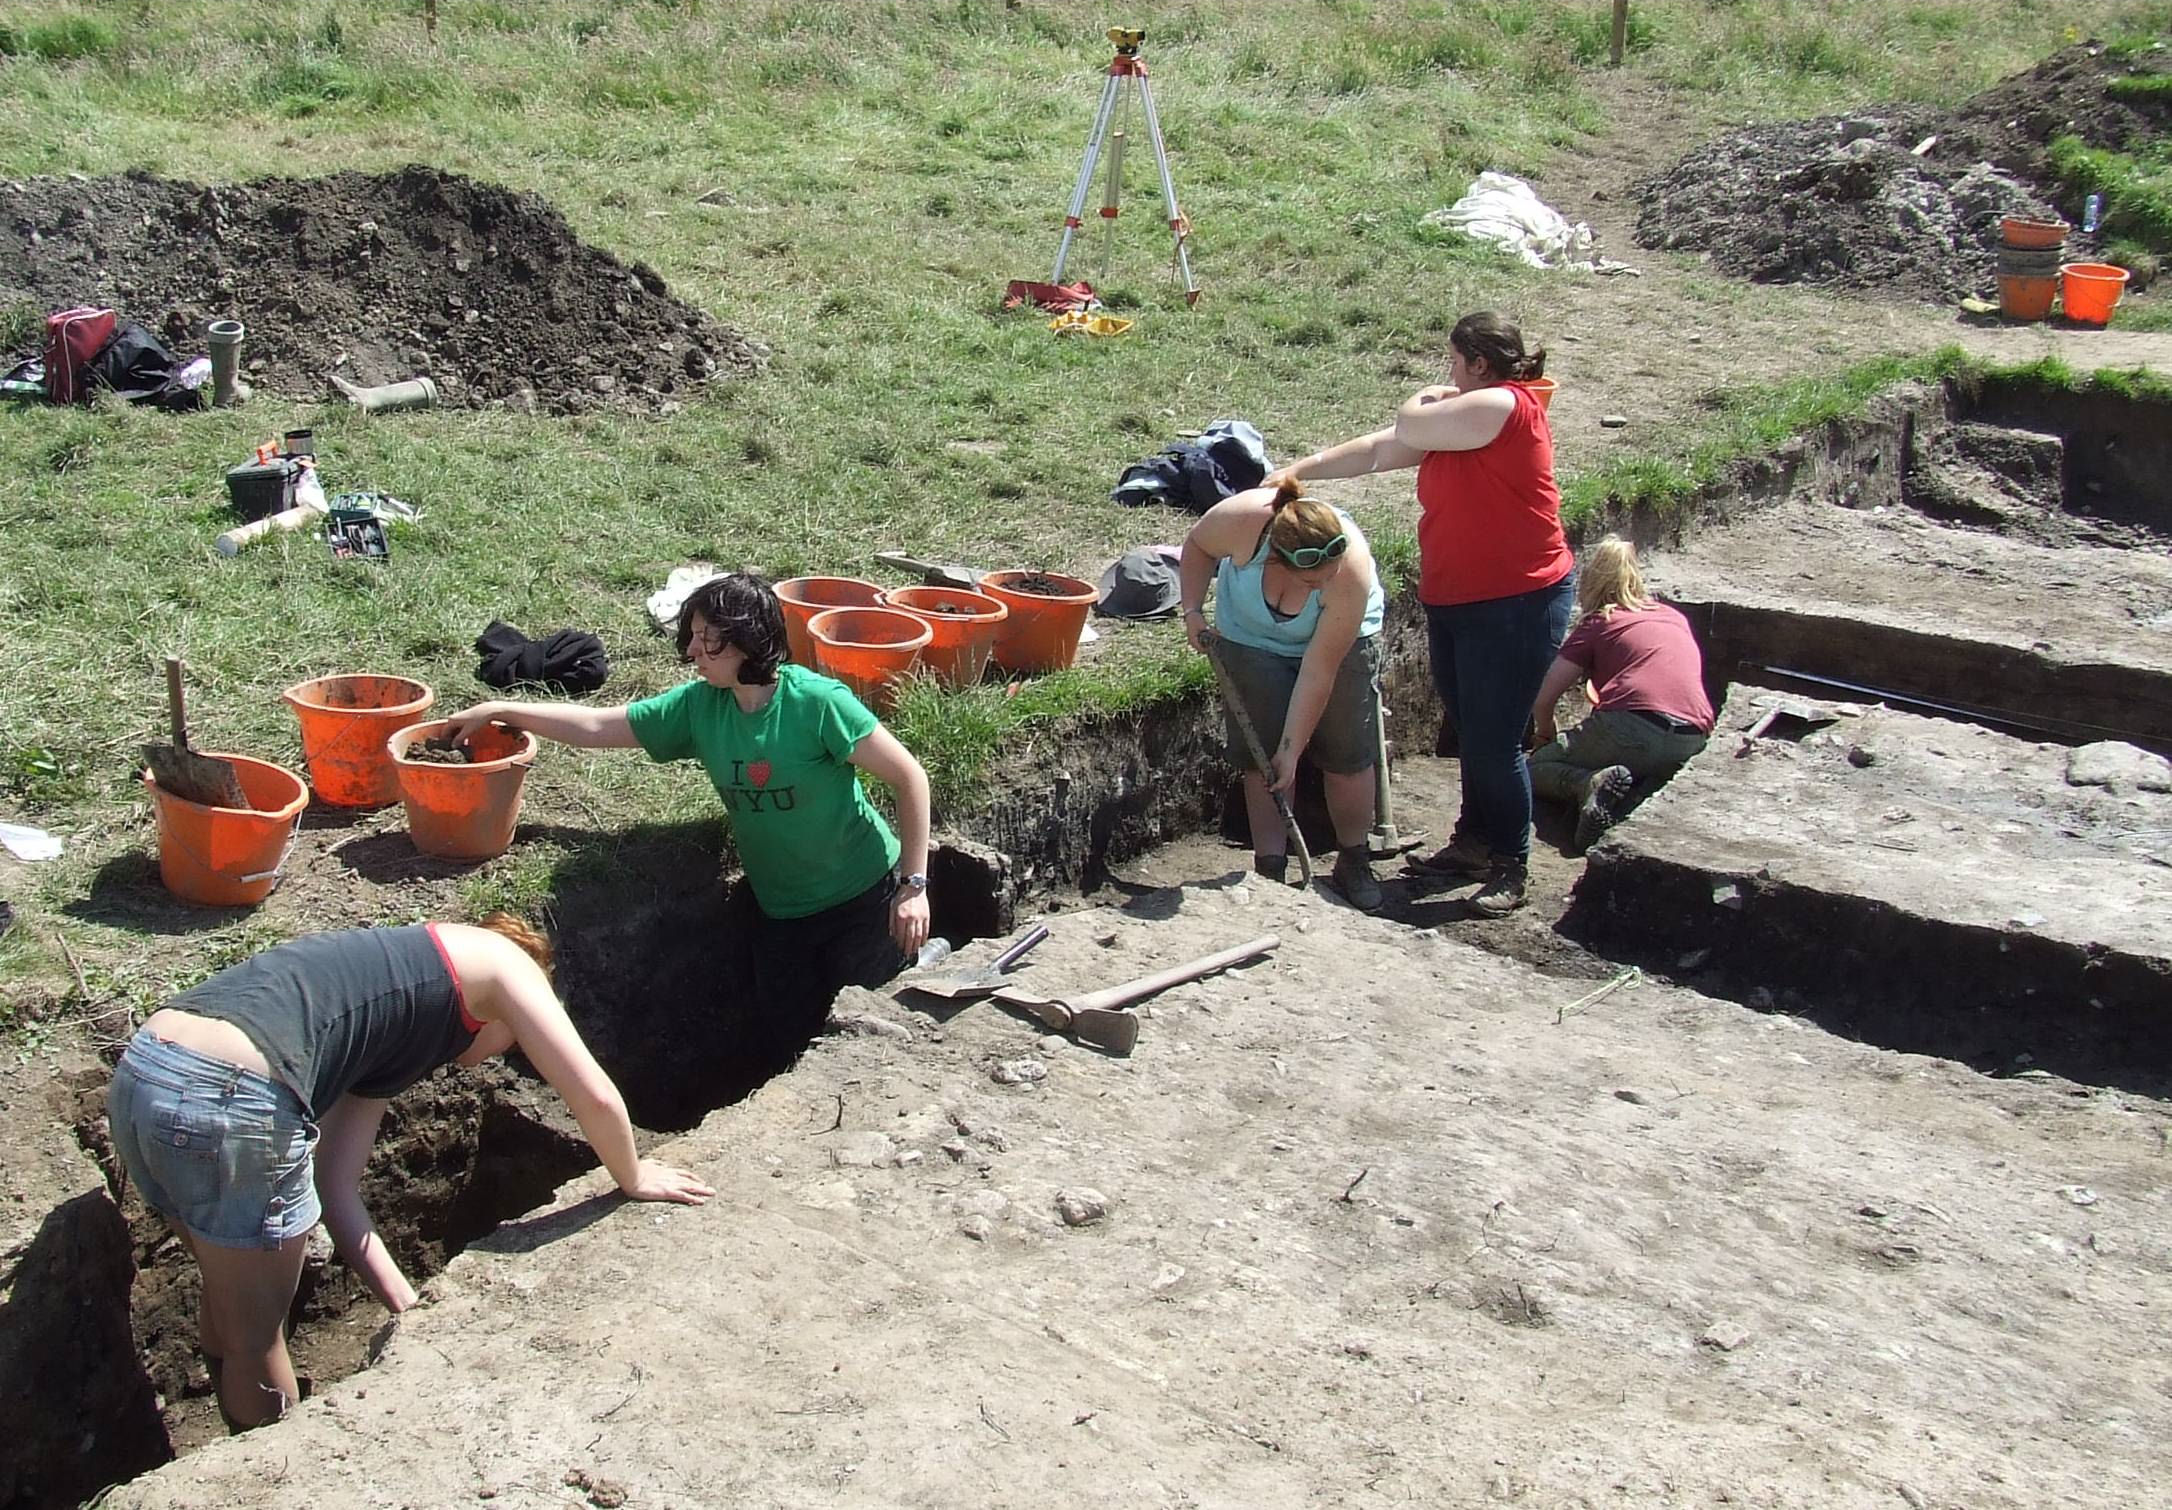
column 2092, row 207
column 933, row 952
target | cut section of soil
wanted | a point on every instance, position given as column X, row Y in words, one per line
column 377, row 278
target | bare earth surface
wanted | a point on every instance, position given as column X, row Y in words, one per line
column 1389, row 1219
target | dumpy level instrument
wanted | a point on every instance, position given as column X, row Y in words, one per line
column 1126, row 83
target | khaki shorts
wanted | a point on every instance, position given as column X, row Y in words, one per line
column 1347, row 738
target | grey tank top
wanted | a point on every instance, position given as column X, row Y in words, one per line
column 366, row 1010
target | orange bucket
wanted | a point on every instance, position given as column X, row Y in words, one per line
column 2090, row 290
column 463, row 812
column 1043, row 630
column 963, row 625
column 2026, row 298
column 868, row 648
column 229, row 856
column 1542, row 389
column 345, row 723
column 2024, row 234
column 802, row 598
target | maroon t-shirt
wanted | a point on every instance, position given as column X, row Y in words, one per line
column 1642, row 662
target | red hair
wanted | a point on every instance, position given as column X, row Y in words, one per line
column 532, row 940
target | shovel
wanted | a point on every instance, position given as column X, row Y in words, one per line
column 932, row 573
column 1237, row 711
column 180, row 770
column 968, row 984
column 1095, row 1018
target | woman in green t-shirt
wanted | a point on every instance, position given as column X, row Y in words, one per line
column 839, row 899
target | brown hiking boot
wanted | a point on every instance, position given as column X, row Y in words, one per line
column 1503, row 892
column 1353, row 877
column 1462, row 855
column 1604, row 804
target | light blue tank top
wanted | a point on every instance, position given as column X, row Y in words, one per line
column 1241, row 612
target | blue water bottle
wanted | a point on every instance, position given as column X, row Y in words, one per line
column 2092, row 207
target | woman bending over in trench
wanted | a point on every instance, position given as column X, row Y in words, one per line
column 246, row 1107
column 1297, row 613
column 783, row 746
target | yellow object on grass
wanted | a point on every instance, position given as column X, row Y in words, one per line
column 1078, row 322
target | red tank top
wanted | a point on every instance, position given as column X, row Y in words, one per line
column 1489, row 520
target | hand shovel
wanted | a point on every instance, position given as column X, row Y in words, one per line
column 180, row 770
column 1095, row 1018
column 967, row 984
column 932, row 573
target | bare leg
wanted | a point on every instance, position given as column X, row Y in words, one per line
column 208, row 1340
column 1350, row 802
column 247, row 1294
column 1269, row 838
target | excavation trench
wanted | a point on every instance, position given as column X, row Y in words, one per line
column 1994, row 559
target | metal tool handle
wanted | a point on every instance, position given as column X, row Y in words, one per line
column 174, row 707
column 1021, row 949
column 1237, row 710
column 1161, row 980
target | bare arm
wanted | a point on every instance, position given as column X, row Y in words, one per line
column 880, row 754
column 1560, row 677
column 348, row 1131
column 1381, row 451
column 1231, row 528
column 1441, row 419
column 568, row 723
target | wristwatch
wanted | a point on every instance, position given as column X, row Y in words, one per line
column 918, row 880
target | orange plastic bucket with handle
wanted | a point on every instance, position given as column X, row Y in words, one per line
column 1543, row 389
column 345, row 723
column 463, row 811
column 229, row 856
column 1048, row 614
column 2090, row 290
column 802, row 598
column 962, row 627
column 868, row 649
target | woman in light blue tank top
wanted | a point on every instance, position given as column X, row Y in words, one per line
column 1298, row 609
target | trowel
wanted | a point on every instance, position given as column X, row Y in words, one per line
column 967, row 984
column 933, row 573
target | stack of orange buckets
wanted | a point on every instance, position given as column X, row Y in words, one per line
column 2030, row 252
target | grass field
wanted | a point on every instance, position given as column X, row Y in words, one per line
column 877, row 172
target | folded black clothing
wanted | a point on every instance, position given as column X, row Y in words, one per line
column 571, row 660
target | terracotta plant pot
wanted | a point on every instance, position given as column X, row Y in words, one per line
column 802, row 598
column 1042, row 632
column 345, row 723
column 868, row 649
column 962, row 625
column 2019, row 230
column 229, row 856
column 467, row 811
column 2026, row 298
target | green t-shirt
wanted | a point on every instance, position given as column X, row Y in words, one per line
column 807, row 834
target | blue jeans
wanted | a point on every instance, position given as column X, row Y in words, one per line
column 1489, row 659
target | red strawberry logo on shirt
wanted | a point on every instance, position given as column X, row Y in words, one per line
column 758, row 772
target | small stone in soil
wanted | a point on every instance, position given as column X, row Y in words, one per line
column 1080, row 1207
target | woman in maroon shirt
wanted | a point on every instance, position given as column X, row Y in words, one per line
column 1647, row 680
column 1494, row 573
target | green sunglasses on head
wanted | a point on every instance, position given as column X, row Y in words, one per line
column 1306, row 557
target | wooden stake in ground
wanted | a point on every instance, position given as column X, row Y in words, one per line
column 1621, row 33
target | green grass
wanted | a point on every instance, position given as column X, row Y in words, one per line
column 882, row 169
column 2142, row 89
column 2137, row 188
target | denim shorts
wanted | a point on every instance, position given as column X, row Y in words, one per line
column 220, row 1151
column 1346, row 739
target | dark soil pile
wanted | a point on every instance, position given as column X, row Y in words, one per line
column 376, row 278
column 1898, row 198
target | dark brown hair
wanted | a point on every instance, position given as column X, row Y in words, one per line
column 740, row 609
column 1493, row 339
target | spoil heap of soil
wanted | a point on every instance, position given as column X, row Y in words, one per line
column 374, row 277
column 1850, row 201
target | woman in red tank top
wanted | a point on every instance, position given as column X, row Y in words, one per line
column 1494, row 573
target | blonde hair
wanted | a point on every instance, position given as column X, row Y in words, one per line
column 1607, row 578
column 531, row 939
column 1301, row 521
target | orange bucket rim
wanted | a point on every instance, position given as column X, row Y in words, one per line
column 2109, row 272
column 287, row 809
column 996, row 611
column 427, row 694
column 397, row 742
column 1085, row 592
column 875, row 588
column 923, row 631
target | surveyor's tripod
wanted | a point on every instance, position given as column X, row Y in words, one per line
column 1127, row 76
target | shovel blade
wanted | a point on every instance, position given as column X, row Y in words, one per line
column 195, row 778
